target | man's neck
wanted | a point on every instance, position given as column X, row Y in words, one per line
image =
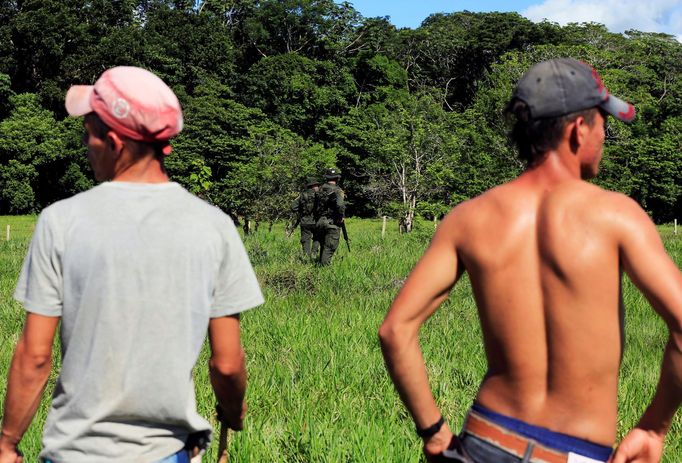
column 557, row 166
column 147, row 169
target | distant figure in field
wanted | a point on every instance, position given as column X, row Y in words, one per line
column 545, row 255
column 331, row 209
column 137, row 269
column 303, row 209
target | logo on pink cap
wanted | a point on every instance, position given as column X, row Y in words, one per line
column 120, row 109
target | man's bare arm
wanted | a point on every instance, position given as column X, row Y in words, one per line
column 651, row 269
column 227, row 369
column 28, row 375
column 425, row 289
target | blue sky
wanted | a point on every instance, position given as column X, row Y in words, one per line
column 617, row 15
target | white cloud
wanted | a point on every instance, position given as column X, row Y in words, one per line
column 616, row 15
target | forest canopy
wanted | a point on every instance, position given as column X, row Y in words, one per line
column 274, row 91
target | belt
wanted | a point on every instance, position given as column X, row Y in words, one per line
column 511, row 442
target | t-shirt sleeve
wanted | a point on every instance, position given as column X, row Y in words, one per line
column 237, row 288
column 39, row 288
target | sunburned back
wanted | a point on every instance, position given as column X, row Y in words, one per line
column 545, row 273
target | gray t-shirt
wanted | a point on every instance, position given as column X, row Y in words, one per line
column 135, row 271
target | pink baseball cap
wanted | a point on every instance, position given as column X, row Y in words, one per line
column 133, row 102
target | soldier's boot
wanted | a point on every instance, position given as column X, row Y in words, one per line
column 315, row 249
column 307, row 247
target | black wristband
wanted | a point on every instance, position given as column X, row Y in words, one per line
column 431, row 430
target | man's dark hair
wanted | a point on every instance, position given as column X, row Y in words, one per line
column 535, row 137
column 101, row 129
column 98, row 126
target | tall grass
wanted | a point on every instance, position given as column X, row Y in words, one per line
column 318, row 389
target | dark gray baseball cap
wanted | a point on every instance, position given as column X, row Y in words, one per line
column 564, row 85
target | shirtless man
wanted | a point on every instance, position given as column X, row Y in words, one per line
column 545, row 254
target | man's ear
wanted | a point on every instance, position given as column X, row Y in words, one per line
column 576, row 133
column 115, row 142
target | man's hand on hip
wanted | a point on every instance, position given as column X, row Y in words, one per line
column 436, row 444
column 639, row 446
column 9, row 453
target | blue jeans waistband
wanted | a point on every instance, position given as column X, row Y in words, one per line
column 181, row 457
column 555, row 440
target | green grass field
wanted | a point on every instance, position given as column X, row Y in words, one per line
column 318, row 389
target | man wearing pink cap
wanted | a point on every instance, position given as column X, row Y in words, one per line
column 545, row 254
column 137, row 269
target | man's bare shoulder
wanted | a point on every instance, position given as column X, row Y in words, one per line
column 626, row 217
column 583, row 209
column 595, row 202
column 466, row 216
column 489, row 198
column 515, row 199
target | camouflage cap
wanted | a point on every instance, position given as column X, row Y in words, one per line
column 332, row 174
column 312, row 181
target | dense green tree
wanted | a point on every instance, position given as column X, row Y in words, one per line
column 658, row 181
column 485, row 158
column 318, row 29
column 375, row 36
column 42, row 160
column 55, row 41
column 16, row 191
column 8, row 10
column 6, row 95
column 255, row 166
column 187, row 48
column 274, row 90
column 374, row 72
column 214, row 128
column 263, row 187
column 70, row 172
column 452, row 51
column 29, row 139
column 296, row 91
column 404, row 146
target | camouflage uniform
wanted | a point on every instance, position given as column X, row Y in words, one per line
column 304, row 207
column 330, row 212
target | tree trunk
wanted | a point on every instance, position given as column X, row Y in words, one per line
column 407, row 221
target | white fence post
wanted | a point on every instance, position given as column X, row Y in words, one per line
column 383, row 228
column 7, row 239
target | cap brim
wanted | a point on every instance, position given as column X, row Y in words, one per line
column 77, row 100
column 619, row 109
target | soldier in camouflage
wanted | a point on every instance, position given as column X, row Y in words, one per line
column 330, row 214
column 304, row 209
